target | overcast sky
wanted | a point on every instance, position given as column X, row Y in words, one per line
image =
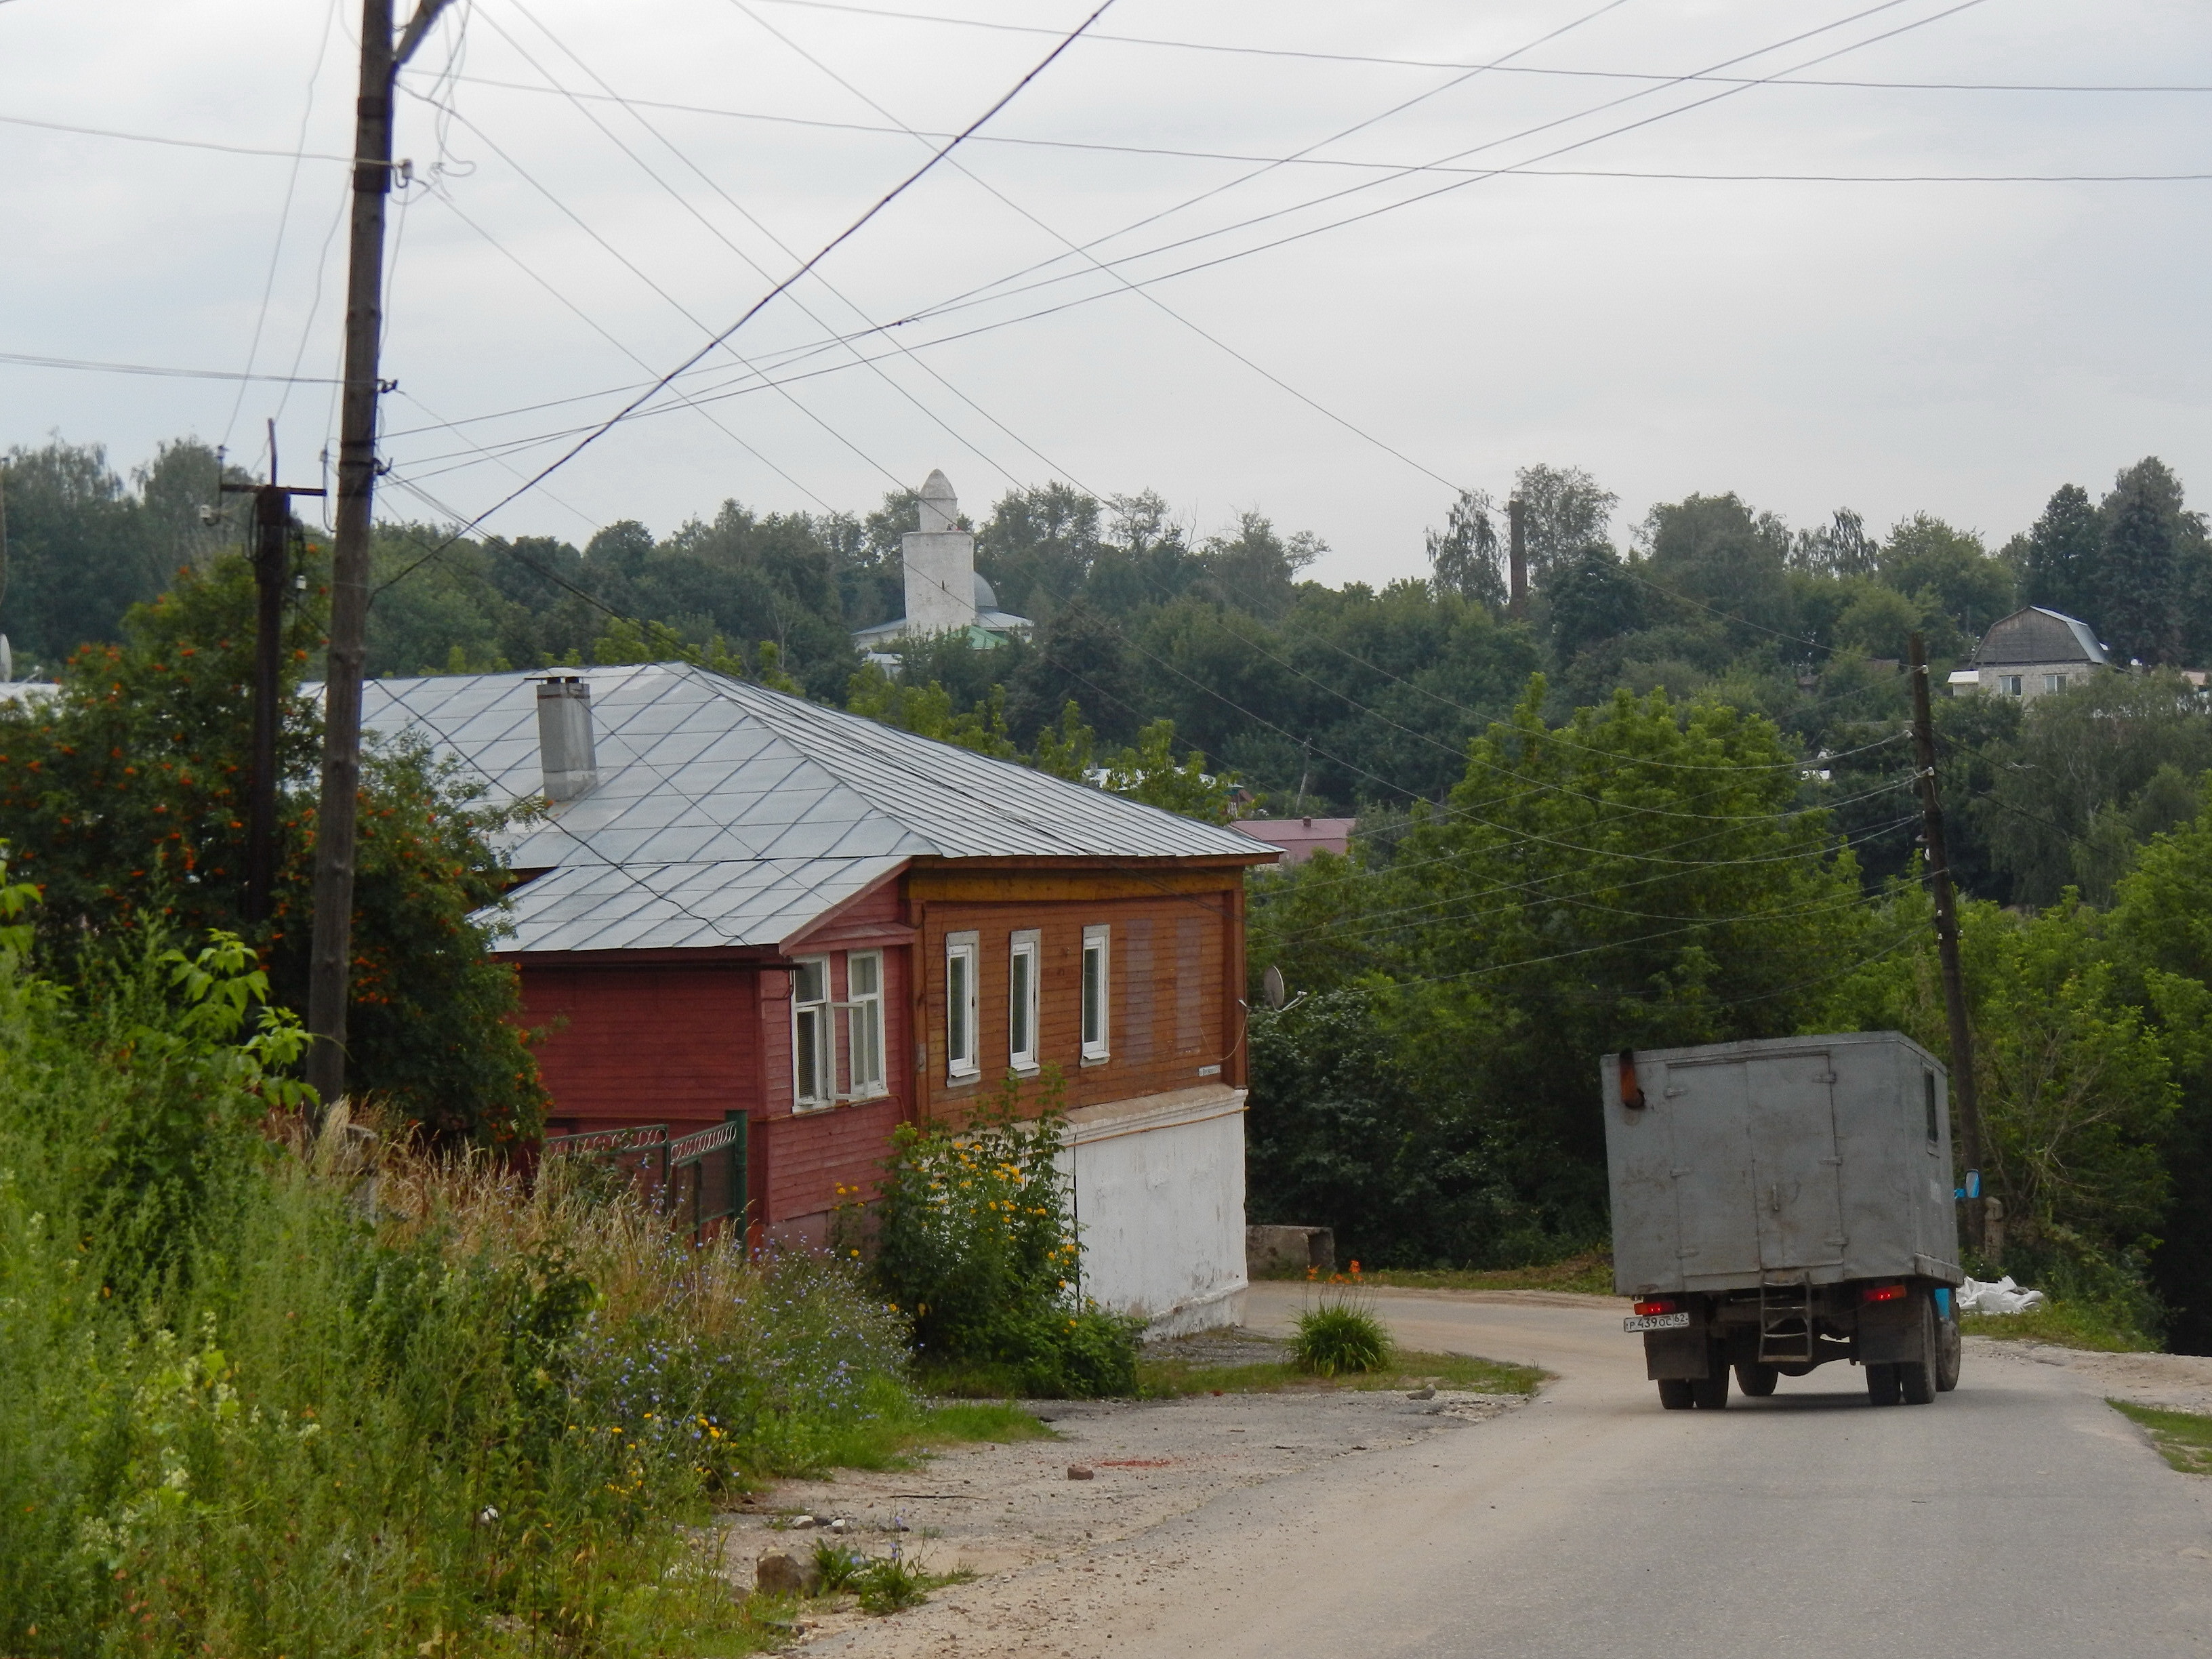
column 1960, row 348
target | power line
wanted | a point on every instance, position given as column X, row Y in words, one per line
column 283, row 223
column 1457, row 918
column 1350, row 164
column 1306, row 883
column 1351, row 700
column 1211, row 340
column 1427, row 910
column 998, row 290
column 716, row 231
column 754, row 310
column 676, row 305
column 1497, row 65
column 217, row 145
column 684, row 401
column 29, row 359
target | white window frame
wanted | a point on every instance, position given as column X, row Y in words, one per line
column 811, row 1021
column 864, row 1028
column 960, row 1010
column 1094, row 993
column 1024, row 999
column 2009, row 684
column 2054, row 682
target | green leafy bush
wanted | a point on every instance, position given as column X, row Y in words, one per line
column 122, row 796
column 975, row 1242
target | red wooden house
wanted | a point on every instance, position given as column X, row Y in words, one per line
column 743, row 905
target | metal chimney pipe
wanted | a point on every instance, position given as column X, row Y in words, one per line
column 564, row 737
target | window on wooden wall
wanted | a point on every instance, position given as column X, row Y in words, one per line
column 1098, row 990
column 864, row 1004
column 1022, row 1000
column 961, row 1061
column 814, row 1083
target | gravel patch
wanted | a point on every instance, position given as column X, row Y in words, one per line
column 1044, row 1544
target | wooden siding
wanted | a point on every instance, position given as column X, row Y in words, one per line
column 685, row 1042
column 654, row 1045
column 1176, row 966
column 810, row 1156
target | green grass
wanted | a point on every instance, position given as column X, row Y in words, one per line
column 1589, row 1273
column 1406, row 1369
column 2183, row 1439
column 897, row 1439
column 2070, row 1324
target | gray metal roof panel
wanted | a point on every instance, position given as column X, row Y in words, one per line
column 759, row 903
column 711, row 776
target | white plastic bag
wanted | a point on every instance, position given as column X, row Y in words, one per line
column 2002, row 1297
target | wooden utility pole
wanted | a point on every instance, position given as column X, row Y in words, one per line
column 1517, row 592
column 1947, row 945
column 272, row 546
column 331, row 951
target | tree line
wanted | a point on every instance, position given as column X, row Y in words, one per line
column 1664, row 800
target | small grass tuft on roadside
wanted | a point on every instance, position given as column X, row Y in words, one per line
column 2069, row 1324
column 2183, row 1439
column 1163, row 1376
column 1339, row 1339
column 894, row 1440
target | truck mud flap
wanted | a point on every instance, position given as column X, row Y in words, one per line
column 1889, row 1332
column 1677, row 1355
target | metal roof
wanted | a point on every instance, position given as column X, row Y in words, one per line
column 2035, row 633
column 728, row 814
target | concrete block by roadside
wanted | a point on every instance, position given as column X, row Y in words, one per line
column 1276, row 1252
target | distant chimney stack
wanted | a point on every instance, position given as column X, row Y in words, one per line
column 564, row 737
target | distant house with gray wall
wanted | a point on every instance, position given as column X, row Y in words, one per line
column 2031, row 652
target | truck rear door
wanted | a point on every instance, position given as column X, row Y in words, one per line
column 1707, row 1107
column 1797, row 1187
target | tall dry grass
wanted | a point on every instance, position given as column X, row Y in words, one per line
column 336, row 1395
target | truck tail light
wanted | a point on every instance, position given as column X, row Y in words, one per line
column 1661, row 1305
column 1883, row 1293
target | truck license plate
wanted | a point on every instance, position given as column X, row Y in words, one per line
column 1672, row 1321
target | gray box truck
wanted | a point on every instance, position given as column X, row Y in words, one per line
column 1783, row 1203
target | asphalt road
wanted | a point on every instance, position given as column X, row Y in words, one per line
column 2019, row 1516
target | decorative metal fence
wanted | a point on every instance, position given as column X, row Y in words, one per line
column 698, row 1179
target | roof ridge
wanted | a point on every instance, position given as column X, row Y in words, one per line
column 921, row 752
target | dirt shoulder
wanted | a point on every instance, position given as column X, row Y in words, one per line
column 1049, row 1549
column 2173, row 1382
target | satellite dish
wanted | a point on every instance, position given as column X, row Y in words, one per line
column 1272, row 987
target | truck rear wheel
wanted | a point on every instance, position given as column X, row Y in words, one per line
column 1674, row 1393
column 1947, row 1350
column 1757, row 1381
column 1883, row 1387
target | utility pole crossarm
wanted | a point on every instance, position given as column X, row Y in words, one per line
column 418, row 26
